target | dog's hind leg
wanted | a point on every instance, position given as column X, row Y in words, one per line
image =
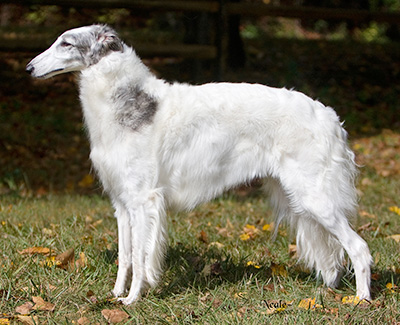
column 358, row 252
column 323, row 230
column 316, row 247
column 319, row 250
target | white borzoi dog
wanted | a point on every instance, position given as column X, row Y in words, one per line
column 156, row 145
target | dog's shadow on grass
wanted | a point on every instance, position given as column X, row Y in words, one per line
column 189, row 267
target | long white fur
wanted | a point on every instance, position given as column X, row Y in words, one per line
column 203, row 140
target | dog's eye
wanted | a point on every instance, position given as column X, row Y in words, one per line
column 65, row 44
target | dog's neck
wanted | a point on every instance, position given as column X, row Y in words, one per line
column 115, row 69
column 108, row 91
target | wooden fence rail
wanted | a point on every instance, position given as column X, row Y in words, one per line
column 221, row 9
column 240, row 8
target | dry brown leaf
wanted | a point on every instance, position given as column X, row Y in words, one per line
column 35, row 250
column 114, row 315
column 66, row 259
column 92, row 297
column 278, row 270
column 364, row 213
column 292, row 250
column 366, row 227
column 40, row 304
column 375, row 276
column 24, row 309
column 395, row 237
column 28, row 320
column 216, row 244
column 83, row 321
column 225, row 231
column 81, row 262
column 269, row 287
column 203, row 237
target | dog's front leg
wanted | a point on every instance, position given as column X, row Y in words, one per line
column 139, row 233
column 124, row 251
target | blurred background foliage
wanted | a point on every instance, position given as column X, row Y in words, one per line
column 353, row 66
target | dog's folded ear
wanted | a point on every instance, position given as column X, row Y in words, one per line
column 107, row 40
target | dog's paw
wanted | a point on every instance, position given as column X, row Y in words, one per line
column 127, row 300
column 117, row 292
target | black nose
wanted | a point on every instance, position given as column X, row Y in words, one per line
column 30, row 68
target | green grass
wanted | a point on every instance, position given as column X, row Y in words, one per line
column 207, row 278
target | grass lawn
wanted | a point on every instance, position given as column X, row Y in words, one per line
column 223, row 265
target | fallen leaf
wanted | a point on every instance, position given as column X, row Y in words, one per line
column 227, row 230
column 268, row 227
column 48, row 232
column 66, row 259
column 4, row 321
column 114, row 315
column 395, row 209
column 92, row 297
column 395, row 237
column 293, row 250
column 366, row 227
column 240, row 295
column 279, row 270
column 86, row 181
column 354, row 300
column 40, row 304
column 35, row 250
column 253, row 264
column 81, row 262
column 308, row 303
column 96, row 223
column 350, row 300
column 50, row 262
column 269, row 287
column 203, row 237
column 216, row 244
column 375, row 276
column 25, row 308
column 249, row 232
column 364, row 213
column 28, row 320
column 83, row 321
column 391, row 287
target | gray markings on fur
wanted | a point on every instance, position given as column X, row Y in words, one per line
column 134, row 107
column 102, row 41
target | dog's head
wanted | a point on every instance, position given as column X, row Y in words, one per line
column 75, row 50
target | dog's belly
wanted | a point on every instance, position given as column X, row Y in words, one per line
column 190, row 178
